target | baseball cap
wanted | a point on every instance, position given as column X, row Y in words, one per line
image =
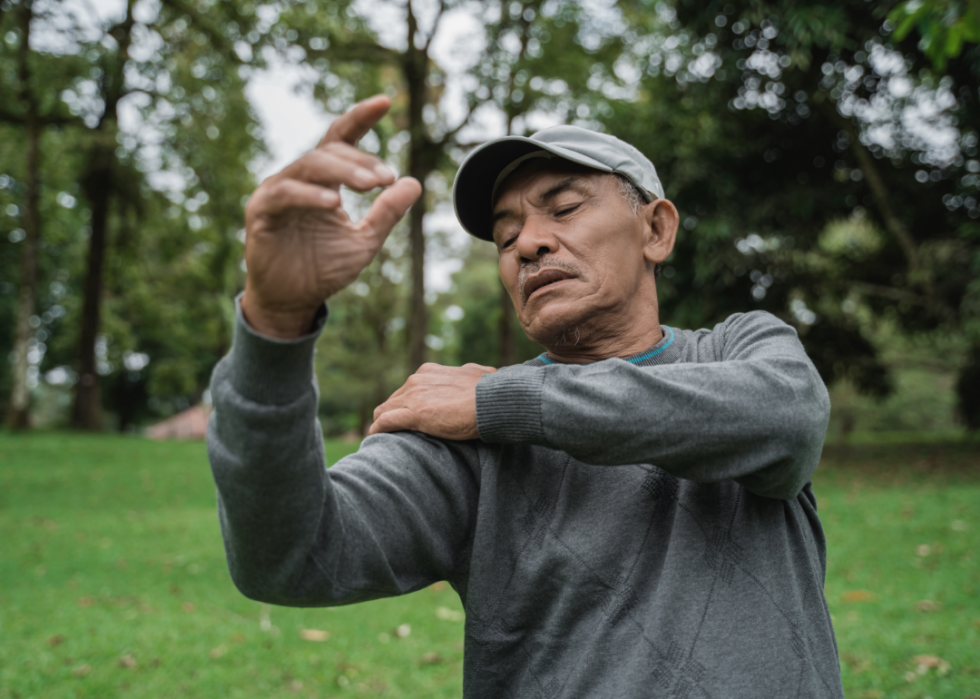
column 487, row 166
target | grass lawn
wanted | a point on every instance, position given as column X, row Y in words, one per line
column 113, row 584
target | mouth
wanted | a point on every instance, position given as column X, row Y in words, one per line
column 542, row 280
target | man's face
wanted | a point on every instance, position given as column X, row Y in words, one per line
column 571, row 251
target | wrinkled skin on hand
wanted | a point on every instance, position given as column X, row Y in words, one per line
column 301, row 247
column 437, row 400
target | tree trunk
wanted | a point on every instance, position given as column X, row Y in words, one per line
column 87, row 409
column 414, row 68
column 19, row 417
column 98, row 187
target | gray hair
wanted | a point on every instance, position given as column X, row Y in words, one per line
column 635, row 199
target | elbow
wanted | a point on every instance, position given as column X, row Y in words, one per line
column 807, row 429
column 259, row 588
column 800, row 439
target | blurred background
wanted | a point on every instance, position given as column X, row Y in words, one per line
column 824, row 159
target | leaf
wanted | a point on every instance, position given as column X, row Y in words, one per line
column 127, row 661
column 188, row 607
column 431, row 658
column 86, row 601
column 859, row 596
column 927, row 605
column 82, row 670
column 924, row 663
column 447, row 614
column 56, row 640
column 316, row 635
column 217, row 652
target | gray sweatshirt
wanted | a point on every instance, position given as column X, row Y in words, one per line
column 639, row 527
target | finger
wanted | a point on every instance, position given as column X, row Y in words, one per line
column 394, row 421
column 288, row 194
column 389, row 207
column 335, row 168
column 355, row 123
column 485, row 369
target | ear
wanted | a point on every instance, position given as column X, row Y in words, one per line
column 662, row 220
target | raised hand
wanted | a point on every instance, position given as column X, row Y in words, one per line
column 437, row 400
column 301, row 246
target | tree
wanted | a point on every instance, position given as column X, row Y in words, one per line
column 166, row 191
column 781, row 132
column 511, row 74
column 32, row 112
column 212, row 33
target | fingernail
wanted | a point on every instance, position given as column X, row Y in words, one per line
column 384, row 171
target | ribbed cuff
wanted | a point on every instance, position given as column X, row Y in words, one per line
column 508, row 405
column 267, row 370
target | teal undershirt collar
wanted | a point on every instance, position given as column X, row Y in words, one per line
column 636, row 358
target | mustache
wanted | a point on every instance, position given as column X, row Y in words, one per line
column 546, row 262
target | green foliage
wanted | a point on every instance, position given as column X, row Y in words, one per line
column 795, row 195
column 945, row 26
column 178, row 181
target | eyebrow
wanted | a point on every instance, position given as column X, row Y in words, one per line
column 562, row 185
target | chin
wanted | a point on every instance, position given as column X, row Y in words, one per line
column 557, row 327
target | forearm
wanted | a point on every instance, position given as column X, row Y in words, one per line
column 266, row 455
column 389, row 519
column 759, row 419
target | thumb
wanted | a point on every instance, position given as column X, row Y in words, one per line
column 390, row 206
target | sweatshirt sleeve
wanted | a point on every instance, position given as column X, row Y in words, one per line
column 757, row 414
column 390, row 519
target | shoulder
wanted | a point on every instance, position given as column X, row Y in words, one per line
column 734, row 334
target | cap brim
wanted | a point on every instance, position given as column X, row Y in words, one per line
column 476, row 177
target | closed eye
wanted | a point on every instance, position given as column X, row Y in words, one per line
column 567, row 210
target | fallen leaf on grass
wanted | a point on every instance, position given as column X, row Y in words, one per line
column 218, row 652
column 924, row 663
column 56, row 640
column 317, row 635
column 923, row 550
column 295, row 686
column 447, row 614
column 431, row 658
column 237, row 638
column 188, row 607
column 859, row 596
column 856, row 663
column 927, row 605
column 87, row 601
column 81, row 670
column 127, row 661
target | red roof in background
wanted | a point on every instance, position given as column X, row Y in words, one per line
column 189, row 424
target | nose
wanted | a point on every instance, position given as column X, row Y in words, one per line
column 536, row 239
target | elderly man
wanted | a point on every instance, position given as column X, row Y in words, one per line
column 628, row 515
